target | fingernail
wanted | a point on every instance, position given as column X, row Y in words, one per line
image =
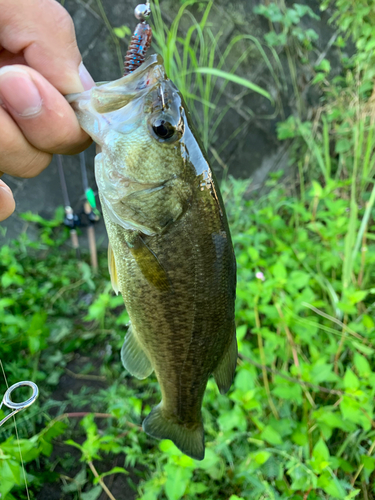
column 18, row 92
column 86, row 79
column 5, row 187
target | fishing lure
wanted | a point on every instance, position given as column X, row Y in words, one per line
column 140, row 41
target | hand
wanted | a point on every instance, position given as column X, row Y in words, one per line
column 39, row 64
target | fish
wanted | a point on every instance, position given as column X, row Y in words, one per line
column 170, row 251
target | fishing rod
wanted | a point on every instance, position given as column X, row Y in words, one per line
column 71, row 220
column 91, row 212
column 16, row 407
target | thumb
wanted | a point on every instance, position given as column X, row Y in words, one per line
column 43, row 31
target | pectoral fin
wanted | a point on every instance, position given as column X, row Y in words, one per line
column 149, row 264
column 224, row 372
column 112, row 269
column 133, row 356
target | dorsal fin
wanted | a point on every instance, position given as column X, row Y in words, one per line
column 112, row 269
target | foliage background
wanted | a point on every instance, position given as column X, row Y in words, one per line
column 298, row 422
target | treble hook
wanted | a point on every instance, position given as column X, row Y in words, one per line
column 7, row 401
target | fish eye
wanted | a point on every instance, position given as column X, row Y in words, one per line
column 163, row 129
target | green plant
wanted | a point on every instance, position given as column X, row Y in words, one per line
column 355, row 19
column 288, row 36
column 298, row 423
column 298, row 420
column 14, row 453
column 288, row 19
column 194, row 62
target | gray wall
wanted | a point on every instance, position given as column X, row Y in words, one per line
column 254, row 152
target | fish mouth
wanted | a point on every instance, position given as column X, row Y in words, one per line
column 119, row 92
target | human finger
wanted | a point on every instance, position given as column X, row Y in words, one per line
column 7, row 203
column 43, row 31
column 17, row 156
column 46, row 119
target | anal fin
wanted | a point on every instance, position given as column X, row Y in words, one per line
column 224, row 372
column 190, row 440
column 134, row 358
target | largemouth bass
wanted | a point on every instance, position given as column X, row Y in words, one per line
column 170, row 253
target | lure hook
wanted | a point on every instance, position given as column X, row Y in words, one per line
column 16, row 407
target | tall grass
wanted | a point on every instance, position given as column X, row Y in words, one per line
column 340, row 156
column 199, row 68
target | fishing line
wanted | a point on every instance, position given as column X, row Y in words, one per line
column 71, row 220
column 18, row 440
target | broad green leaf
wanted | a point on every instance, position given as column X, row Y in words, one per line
column 177, row 481
column 351, row 381
column 271, row 436
column 331, row 485
column 362, row 365
column 93, row 494
column 352, row 410
column 233, row 419
column 320, row 457
column 261, row 457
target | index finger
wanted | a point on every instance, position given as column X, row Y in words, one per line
column 7, row 203
column 44, row 32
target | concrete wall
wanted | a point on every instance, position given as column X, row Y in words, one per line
column 255, row 151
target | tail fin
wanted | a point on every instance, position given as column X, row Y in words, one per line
column 189, row 441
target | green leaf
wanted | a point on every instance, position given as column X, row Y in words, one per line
column 331, row 485
column 320, row 457
column 235, row 79
column 197, row 488
column 368, row 351
column 114, row 470
column 299, row 278
column 122, row 31
column 271, row 436
column 357, row 296
column 352, row 410
column 319, row 77
column 167, row 446
column 351, row 380
column 362, row 365
column 234, row 418
column 287, row 129
column 368, row 322
column 93, row 494
column 177, row 481
column 352, row 494
column 302, row 478
column 261, row 457
column 324, row 66
column 317, row 190
column 211, row 464
column 343, row 146
column 287, row 390
column 368, row 462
